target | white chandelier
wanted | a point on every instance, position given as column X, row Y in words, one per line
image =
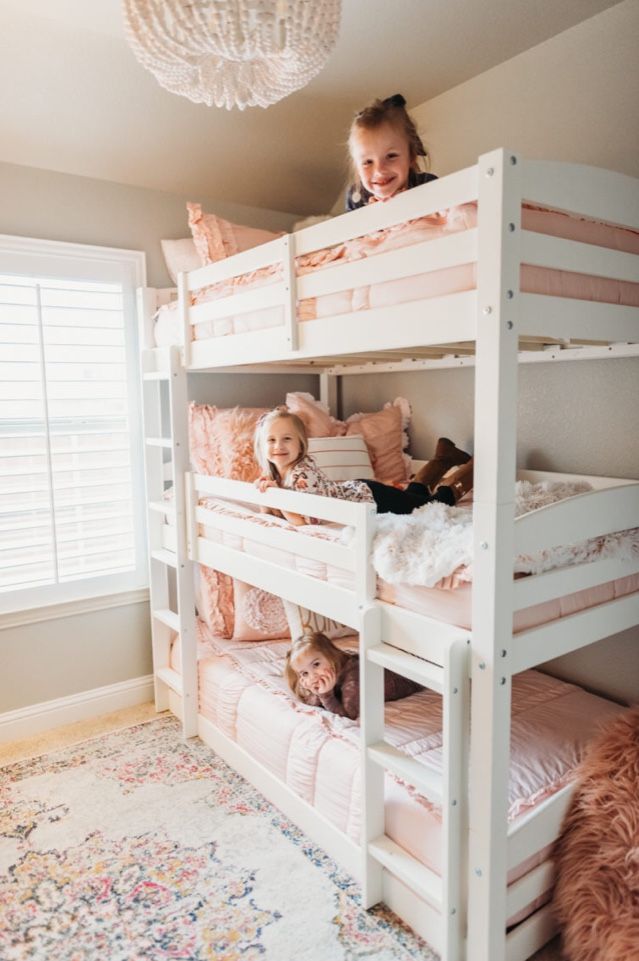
column 243, row 53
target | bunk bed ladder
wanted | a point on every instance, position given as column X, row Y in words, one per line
column 172, row 595
column 445, row 895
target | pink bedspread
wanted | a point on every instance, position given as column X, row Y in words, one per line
column 242, row 692
column 537, row 280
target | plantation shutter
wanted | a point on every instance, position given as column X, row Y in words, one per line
column 68, row 509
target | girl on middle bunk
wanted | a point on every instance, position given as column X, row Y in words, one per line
column 281, row 450
column 320, row 674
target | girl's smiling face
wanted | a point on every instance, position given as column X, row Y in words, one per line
column 283, row 446
column 382, row 158
column 315, row 671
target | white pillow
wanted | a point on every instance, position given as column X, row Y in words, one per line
column 180, row 255
column 342, row 458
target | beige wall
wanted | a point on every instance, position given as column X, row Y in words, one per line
column 55, row 206
column 573, row 98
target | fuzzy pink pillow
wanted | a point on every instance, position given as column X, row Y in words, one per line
column 214, row 600
column 216, row 238
column 221, row 441
column 385, row 434
column 314, row 415
column 259, row 616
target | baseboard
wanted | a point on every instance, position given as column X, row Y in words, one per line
column 28, row 721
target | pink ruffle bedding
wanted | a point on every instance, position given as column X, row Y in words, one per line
column 536, row 280
column 453, row 606
column 242, row 692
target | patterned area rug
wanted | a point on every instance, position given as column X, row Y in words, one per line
column 139, row 845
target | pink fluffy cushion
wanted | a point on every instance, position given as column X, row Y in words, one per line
column 385, row 434
column 216, row 238
column 314, row 415
column 221, row 441
column 596, row 895
column 259, row 616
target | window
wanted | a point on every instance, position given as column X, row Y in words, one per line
column 71, row 506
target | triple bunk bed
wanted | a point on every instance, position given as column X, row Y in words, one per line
column 534, row 261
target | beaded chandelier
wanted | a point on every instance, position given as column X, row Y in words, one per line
column 232, row 53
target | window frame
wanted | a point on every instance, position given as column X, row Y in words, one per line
column 88, row 262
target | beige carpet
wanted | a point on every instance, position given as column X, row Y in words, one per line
column 86, row 730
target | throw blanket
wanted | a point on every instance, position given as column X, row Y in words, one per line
column 436, row 541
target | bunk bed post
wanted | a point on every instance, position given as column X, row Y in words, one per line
column 178, row 414
column 455, row 735
column 183, row 307
column 499, row 219
column 290, row 289
column 371, row 682
column 328, row 393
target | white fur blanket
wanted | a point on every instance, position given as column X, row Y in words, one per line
column 436, row 541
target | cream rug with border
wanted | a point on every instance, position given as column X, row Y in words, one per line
column 139, row 845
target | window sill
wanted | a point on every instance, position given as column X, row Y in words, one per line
column 86, row 605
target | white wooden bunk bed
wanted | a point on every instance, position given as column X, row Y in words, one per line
column 494, row 325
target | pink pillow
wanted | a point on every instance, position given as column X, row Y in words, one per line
column 214, row 600
column 314, row 415
column 221, row 441
column 259, row 616
column 216, row 238
column 386, row 438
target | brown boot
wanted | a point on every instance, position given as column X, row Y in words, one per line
column 458, row 484
column 446, row 456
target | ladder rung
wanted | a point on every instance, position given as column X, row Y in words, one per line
column 162, row 507
column 168, row 617
column 414, row 875
column 159, row 442
column 156, row 375
column 171, row 678
column 407, row 768
column 408, row 665
column 165, row 557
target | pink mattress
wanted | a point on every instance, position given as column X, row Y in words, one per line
column 453, row 606
column 533, row 279
column 242, row 692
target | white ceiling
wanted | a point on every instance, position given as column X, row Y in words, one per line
column 75, row 100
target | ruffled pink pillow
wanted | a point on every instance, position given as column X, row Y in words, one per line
column 221, row 441
column 216, row 238
column 385, row 434
column 314, row 415
column 214, row 600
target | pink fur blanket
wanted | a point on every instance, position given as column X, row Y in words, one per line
column 597, row 855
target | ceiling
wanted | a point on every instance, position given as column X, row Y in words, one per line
column 75, row 100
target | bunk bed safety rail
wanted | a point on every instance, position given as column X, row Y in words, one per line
column 347, row 605
column 578, row 518
column 579, row 189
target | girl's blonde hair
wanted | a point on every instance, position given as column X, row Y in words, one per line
column 391, row 111
column 316, row 643
column 261, row 433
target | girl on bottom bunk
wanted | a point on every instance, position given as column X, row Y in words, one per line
column 320, row 674
column 281, row 449
column 384, row 148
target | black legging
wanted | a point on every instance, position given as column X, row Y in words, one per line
column 392, row 500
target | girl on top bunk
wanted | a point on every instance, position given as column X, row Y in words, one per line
column 281, row 450
column 320, row 674
column 384, row 148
